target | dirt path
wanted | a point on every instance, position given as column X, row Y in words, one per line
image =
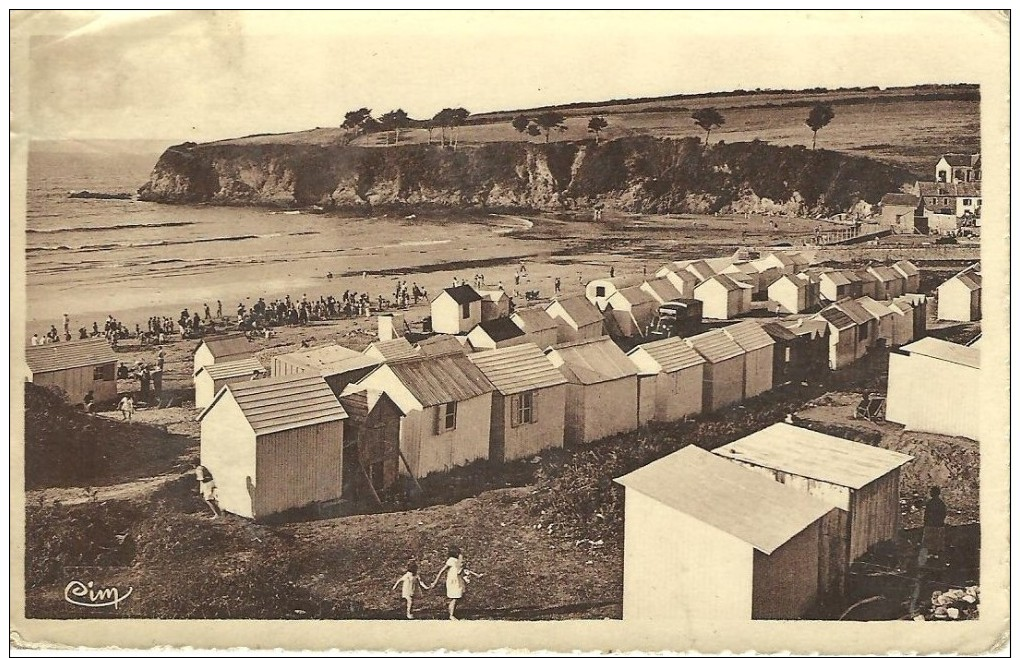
column 135, row 490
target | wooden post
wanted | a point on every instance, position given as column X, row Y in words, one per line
column 409, row 472
column 371, row 487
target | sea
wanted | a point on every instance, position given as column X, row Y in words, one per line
column 91, row 258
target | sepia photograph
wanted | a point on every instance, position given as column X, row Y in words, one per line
column 547, row 330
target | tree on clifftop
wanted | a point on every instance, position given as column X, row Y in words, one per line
column 819, row 117
column 395, row 120
column 520, row 123
column 356, row 119
column 597, row 125
column 549, row 121
column 458, row 116
column 707, row 118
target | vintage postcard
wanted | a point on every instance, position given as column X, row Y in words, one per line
column 537, row 330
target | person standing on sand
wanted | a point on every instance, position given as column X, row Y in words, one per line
column 934, row 537
column 127, row 407
column 556, row 285
column 457, row 578
column 410, row 584
column 612, row 271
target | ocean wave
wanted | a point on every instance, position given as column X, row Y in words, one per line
column 89, row 229
column 110, row 246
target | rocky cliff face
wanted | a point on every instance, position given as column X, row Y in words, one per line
column 639, row 174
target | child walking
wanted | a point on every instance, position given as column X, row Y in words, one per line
column 410, row 583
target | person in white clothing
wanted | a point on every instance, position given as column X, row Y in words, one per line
column 457, row 578
column 410, row 584
column 35, row 339
column 127, row 407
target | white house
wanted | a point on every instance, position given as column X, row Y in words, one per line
column 951, row 200
column 213, row 377
column 708, row 541
column 500, row 332
column 958, row 167
column 959, row 298
column 218, row 349
column 447, row 407
column 274, row 445
column 629, row 311
column 859, row 480
column 576, row 319
column 758, row 348
column 76, row 368
column 723, row 298
column 898, row 211
column 529, row 403
column 456, row 310
column 723, row 382
column 602, row 389
column 541, row 329
column 935, row 386
column 673, row 372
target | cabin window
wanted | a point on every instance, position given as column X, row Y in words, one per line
column 966, row 202
column 522, row 408
column 446, row 417
column 864, row 331
column 103, row 373
column 465, row 311
column 600, row 291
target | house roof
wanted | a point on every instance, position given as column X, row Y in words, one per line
column 517, row 368
column 837, row 277
column 533, row 320
column 837, row 318
column 685, row 276
column 64, row 356
column 853, row 308
column 727, row 282
column 959, row 159
column 672, row 354
column 715, row 346
column 435, row 380
column 580, row 310
column 742, row 268
column 662, row 289
column 906, row 268
column 969, row 278
column 798, row 281
column 227, row 345
column 955, row 189
column 440, row 344
column 804, row 326
column 778, row 332
column 749, row 506
column 865, row 276
column 799, row 451
column 493, row 295
column 635, row 296
column 391, row 350
column 883, row 273
column 749, row 335
column 594, row 361
column 945, row 351
column 329, row 360
column 894, row 199
column 283, row 403
column 874, row 308
column 499, row 329
column 238, row 368
column 463, row 294
column 701, row 269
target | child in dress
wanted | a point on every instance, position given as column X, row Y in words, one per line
column 410, row 583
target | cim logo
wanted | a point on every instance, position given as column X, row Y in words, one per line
column 88, row 595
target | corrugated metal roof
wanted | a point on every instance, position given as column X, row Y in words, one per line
column 397, row 348
column 749, row 506
column 229, row 345
column 875, row 308
column 594, row 361
column 799, row 451
column 439, row 345
column 854, row 309
column 283, row 403
column 463, row 294
column 329, row 360
column 517, row 368
column 945, row 351
column 580, row 310
column 67, row 355
column 906, row 267
column 749, row 335
column 672, row 354
column 238, row 368
column 662, row 290
column 435, row 380
column 533, row 320
column 500, row 329
column 715, row 346
column 837, row 318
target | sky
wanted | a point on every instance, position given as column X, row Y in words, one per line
column 204, row 75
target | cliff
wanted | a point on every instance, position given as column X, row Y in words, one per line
column 639, row 174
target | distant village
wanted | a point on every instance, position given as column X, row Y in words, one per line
column 781, row 514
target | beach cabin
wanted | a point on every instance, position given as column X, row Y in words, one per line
column 751, row 275
column 670, row 376
column 758, row 347
column 884, row 317
column 629, row 312
column 911, row 275
column 218, row 349
column 495, row 304
column 576, row 318
column 529, row 403
column 902, row 314
column 390, row 326
column 859, row 480
column 920, row 305
column 661, row 290
column 869, row 284
column 541, row 329
column 371, row 444
column 602, row 389
column 959, row 298
column 598, row 291
column 890, row 282
column 793, row 293
column 706, row 540
column 851, row 332
column 723, row 298
column 723, row 382
column 776, row 260
column 501, row 332
column 935, row 386
column 446, row 404
column 441, row 344
column 682, row 280
column 391, row 350
column 456, row 310
column 76, row 368
column 213, row 377
column 338, row 365
column 837, row 284
column 801, row 350
column 274, row 445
